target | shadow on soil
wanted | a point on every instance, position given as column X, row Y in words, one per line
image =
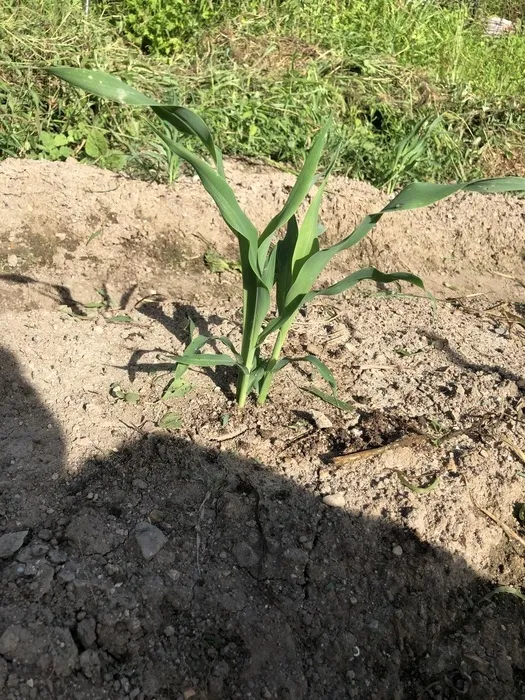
column 258, row 590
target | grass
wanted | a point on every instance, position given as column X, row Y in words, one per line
column 383, row 69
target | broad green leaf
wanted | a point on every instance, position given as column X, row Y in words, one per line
column 328, row 398
column 496, row 185
column 204, row 360
column 414, row 487
column 170, row 421
column 302, row 186
column 368, row 273
column 420, row 194
column 120, row 318
column 307, row 242
column 112, row 88
column 307, row 238
column 101, row 84
column 176, row 388
column 416, row 195
column 96, row 144
column 94, row 235
column 187, row 122
column 192, row 350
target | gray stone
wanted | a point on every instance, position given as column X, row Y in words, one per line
column 150, row 539
column 43, row 580
column 335, row 500
column 91, row 534
column 11, row 543
column 56, row 556
column 51, row 648
column 321, row 420
column 90, row 664
column 245, row 555
column 20, row 642
column 3, row 672
column 86, row 632
column 39, row 550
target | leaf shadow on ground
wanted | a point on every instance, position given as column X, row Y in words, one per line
column 259, row 590
column 177, row 325
column 457, row 358
column 56, row 292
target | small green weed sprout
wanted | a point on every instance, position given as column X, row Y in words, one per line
column 292, row 264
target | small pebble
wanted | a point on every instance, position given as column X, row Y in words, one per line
column 336, row 500
column 322, row 422
column 169, row 631
column 397, row 550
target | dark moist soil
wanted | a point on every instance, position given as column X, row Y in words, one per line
column 239, row 556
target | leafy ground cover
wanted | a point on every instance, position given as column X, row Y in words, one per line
column 415, row 88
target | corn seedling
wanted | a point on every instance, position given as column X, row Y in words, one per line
column 292, row 263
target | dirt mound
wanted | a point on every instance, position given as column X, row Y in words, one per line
column 145, row 235
column 240, row 557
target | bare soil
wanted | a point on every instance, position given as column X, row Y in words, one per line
column 239, row 556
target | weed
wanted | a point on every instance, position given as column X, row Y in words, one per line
column 291, row 264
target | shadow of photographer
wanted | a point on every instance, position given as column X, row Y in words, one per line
column 167, row 570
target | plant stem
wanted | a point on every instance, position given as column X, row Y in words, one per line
column 256, row 303
column 274, row 358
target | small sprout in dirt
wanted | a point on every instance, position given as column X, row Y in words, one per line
column 225, row 419
column 121, row 394
column 176, row 388
column 438, row 430
column 217, row 264
column 291, row 263
column 107, row 301
column 170, row 421
column 65, row 309
column 504, row 589
column 94, row 235
column 328, row 398
column 414, row 487
column 120, row 318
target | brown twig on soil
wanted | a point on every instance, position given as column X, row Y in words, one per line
column 228, row 436
column 297, row 439
column 514, row 448
column 509, row 277
column 407, row 441
column 351, row 457
column 506, row 529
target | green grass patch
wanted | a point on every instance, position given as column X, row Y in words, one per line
column 265, row 75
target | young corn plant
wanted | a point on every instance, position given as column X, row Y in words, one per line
column 292, row 263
